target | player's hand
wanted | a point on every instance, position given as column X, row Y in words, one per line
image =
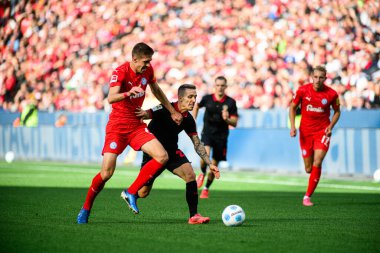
column 135, row 90
column 177, row 117
column 141, row 113
column 225, row 114
column 328, row 131
column 215, row 170
column 293, row 132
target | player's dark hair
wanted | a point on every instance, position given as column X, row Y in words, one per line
column 142, row 49
column 320, row 68
column 183, row 87
column 222, row 78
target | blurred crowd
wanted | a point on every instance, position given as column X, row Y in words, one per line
column 59, row 54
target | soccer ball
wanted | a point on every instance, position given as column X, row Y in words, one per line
column 233, row 216
column 376, row 176
column 9, row 156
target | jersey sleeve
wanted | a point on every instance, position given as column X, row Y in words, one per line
column 117, row 78
column 298, row 97
column 202, row 103
column 336, row 102
column 233, row 110
column 190, row 126
column 156, row 111
column 153, row 77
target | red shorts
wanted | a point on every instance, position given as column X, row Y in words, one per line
column 312, row 142
column 116, row 142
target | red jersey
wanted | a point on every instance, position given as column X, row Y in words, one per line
column 315, row 107
column 122, row 118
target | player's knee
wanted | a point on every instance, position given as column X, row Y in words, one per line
column 190, row 176
column 162, row 157
column 308, row 169
column 106, row 174
column 317, row 163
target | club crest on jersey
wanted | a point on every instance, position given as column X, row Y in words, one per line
column 324, row 101
column 143, row 81
column 113, row 145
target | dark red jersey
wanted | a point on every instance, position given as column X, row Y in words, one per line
column 315, row 107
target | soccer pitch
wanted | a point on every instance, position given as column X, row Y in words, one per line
column 39, row 202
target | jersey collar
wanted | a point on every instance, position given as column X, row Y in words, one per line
column 221, row 100
column 176, row 107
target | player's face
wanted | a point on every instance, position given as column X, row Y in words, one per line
column 220, row 87
column 187, row 102
column 319, row 78
column 141, row 63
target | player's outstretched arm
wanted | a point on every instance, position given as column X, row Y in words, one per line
column 160, row 95
column 201, row 151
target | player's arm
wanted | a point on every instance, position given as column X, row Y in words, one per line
column 143, row 114
column 334, row 118
column 232, row 121
column 195, row 110
column 114, row 94
column 160, row 95
column 292, row 119
column 201, row 151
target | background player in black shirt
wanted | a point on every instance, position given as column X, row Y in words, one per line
column 166, row 131
column 220, row 113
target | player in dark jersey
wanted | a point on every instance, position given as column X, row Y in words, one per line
column 127, row 92
column 166, row 131
column 220, row 114
column 316, row 99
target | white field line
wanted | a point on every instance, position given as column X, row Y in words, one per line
column 272, row 181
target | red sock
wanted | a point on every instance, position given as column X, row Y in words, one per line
column 146, row 173
column 313, row 180
column 96, row 186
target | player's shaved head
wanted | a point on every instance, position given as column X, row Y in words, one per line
column 182, row 89
column 142, row 49
column 221, row 78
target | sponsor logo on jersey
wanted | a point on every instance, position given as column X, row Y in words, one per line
column 158, row 107
column 308, row 98
column 138, row 95
column 113, row 79
column 143, row 81
column 324, row 101
column 113, row 145
column 310, row 108
column 130, row 83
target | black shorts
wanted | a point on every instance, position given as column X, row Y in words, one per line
column 218, row 145
column 176, row 159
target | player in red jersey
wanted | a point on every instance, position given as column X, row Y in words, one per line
column 316, row 99
column 126, row 94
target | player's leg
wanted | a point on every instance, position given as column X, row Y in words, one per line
column 97, row 184
column 219, row 153
column 185, row 171
column 144, row 140
column 316, row 170
column 306, row 143
column 113, row 146
column 145, row 190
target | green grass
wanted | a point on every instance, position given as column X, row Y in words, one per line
column 39, row 203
